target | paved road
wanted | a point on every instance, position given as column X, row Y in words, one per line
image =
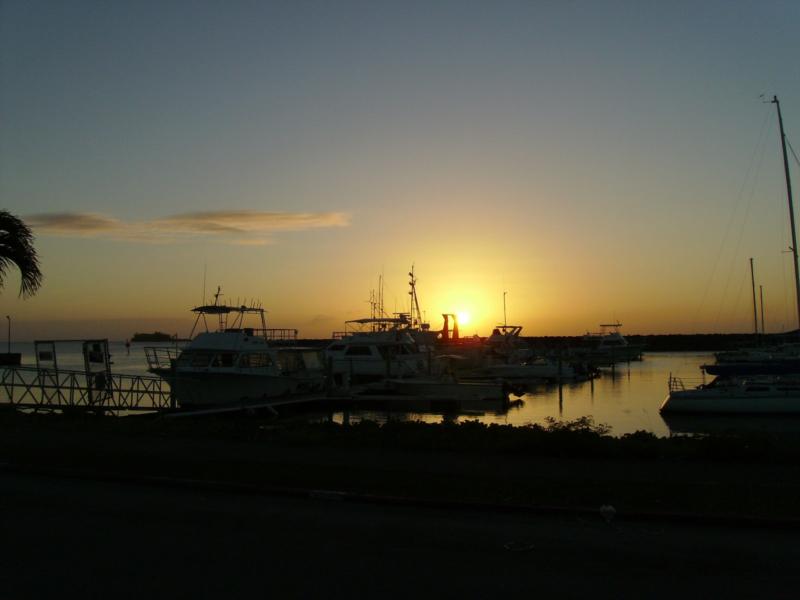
column 88, row 539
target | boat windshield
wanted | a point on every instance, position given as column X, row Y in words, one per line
column 224, row 359
column 312, row 360
column 194, row 358
column 255, row 360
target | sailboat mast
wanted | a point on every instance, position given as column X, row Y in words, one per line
column 753, row 285
column 791, row 208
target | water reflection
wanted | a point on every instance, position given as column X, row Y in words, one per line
column 626, row 398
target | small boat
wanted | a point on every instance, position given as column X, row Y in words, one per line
column 775, row 360
column 441, row 388
column 237, row 363
column 607, row 348
column 760, row 394
column 540, row 368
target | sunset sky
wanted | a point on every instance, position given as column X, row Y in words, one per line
column 595, row 160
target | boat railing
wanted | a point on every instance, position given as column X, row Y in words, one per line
column 679, row 384
column 675, row 384
column 161, row 358
column 280, row 335
column 271, row 334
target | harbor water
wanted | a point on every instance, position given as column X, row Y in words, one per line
column 626, row 399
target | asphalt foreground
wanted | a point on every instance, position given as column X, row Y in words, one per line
column 104, row 508
column 66, row 537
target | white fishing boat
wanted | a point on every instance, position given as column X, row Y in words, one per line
column 762, row 394
column 381, row 346
column 236, row 363
column 385, row 351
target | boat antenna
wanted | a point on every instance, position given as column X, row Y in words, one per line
column 505, row 320
column 414, row 299
column 791, row 207
column 761, row 295
column 205, row 267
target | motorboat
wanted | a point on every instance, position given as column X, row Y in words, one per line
column 607, row 347
column 380, row 346
column 236, row 363
column 759, row 394
column 383, row 352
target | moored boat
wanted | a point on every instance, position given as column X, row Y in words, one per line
column 607, row 348
column 236, row 363
column 760, row 394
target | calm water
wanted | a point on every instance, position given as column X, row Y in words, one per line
column 70, row 356
column 627, row 400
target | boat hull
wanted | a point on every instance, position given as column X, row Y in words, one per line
column 731, row 402
column 215, row 389
column 447, row 390
column 766, row 367
column 526, row 372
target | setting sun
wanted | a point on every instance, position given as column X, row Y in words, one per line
column 463, row 317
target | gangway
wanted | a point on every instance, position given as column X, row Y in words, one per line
column 95, row 389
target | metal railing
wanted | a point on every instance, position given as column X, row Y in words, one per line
column 679, row 384
column 161, row 358
column 50, row 389
column 281, row 335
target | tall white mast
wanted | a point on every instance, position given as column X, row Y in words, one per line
column 791, row 208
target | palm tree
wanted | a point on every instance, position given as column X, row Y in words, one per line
column 16, row 247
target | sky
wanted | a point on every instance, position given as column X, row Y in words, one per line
column 595, row 161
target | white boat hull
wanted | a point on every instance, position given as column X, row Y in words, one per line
column 447, row 390
column 215, row 389
column 731, row 402
column 527, row 372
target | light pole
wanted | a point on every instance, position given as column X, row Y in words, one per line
column 9, row 333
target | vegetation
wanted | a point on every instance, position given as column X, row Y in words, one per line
column 580, row 438
column 16, row 248
column 559, row 464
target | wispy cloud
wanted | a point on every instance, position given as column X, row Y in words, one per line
column 241, row 227
column 80, row 224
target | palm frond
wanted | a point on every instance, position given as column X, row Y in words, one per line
column 16, row 247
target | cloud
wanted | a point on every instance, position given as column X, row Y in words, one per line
column 81, row 224
column 248, row 221
column 240, row 227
